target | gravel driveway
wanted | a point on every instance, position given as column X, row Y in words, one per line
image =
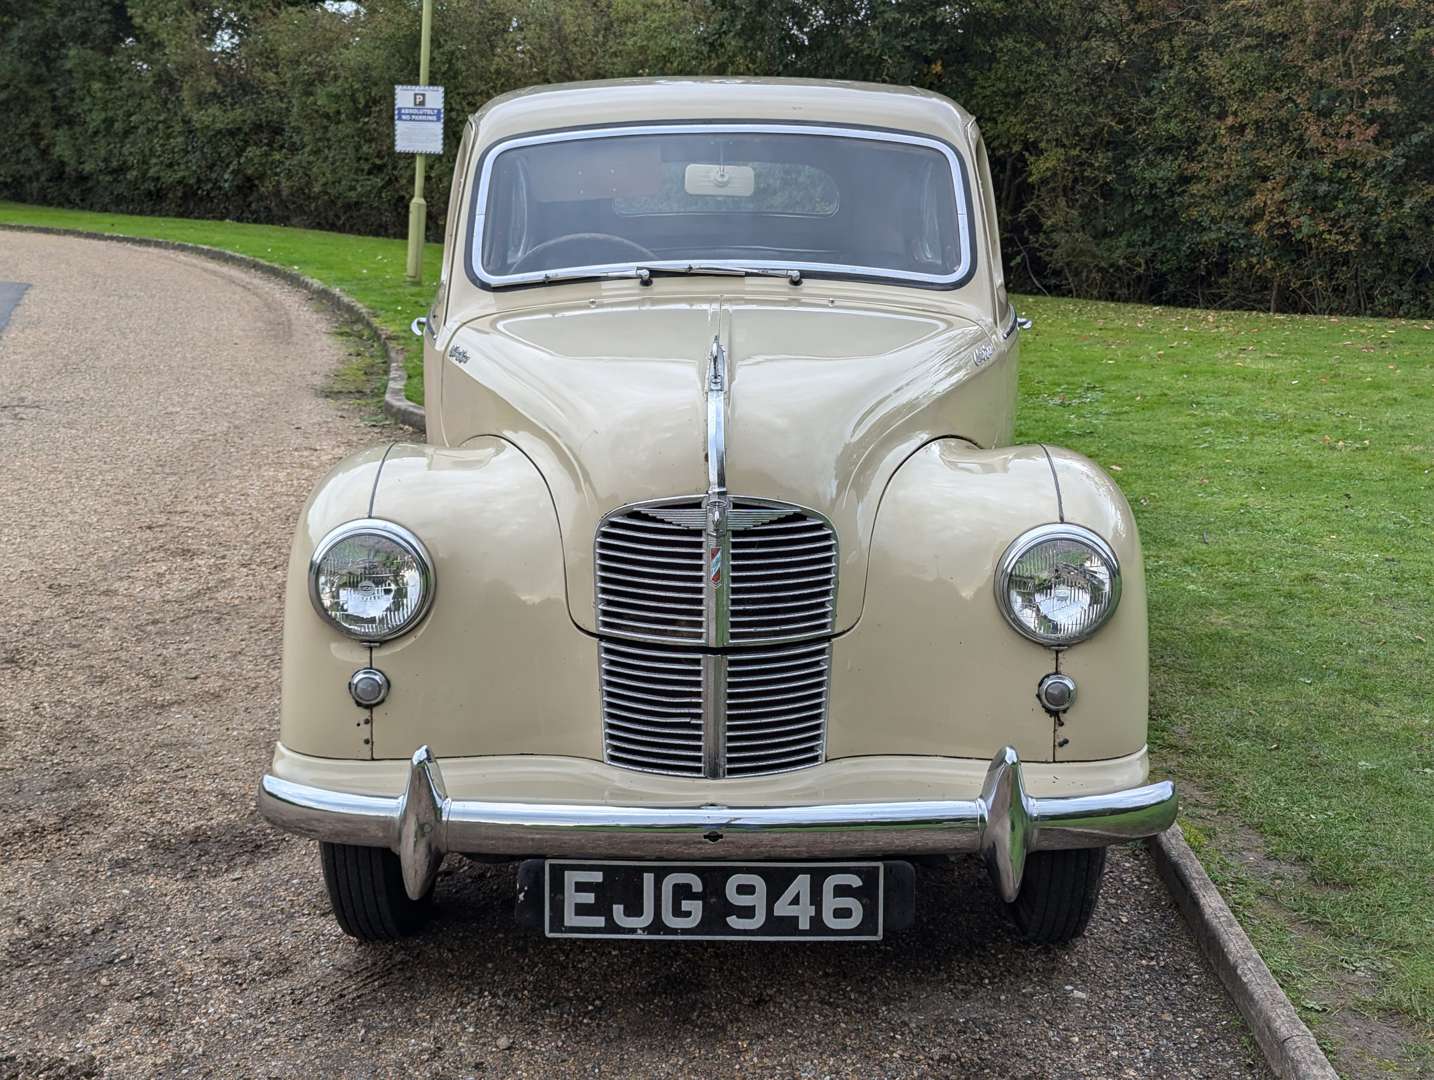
column 160, row 425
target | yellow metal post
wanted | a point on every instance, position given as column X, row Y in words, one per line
column 418, row 209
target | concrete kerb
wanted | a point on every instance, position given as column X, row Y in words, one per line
column 1288, row 1045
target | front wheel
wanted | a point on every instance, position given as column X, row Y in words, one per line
column 366, row 891
column 1059, row 890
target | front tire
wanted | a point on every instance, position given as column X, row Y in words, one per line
column 366, row 891
column 1059, row 890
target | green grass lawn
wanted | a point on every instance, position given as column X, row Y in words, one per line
column 1282, row 470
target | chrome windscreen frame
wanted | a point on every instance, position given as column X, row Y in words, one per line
column 477, row 218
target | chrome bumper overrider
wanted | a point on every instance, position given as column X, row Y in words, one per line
column 1003, row 824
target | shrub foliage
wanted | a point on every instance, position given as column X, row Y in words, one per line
column 1254, row 153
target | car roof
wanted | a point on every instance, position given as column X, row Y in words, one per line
column 628, row 101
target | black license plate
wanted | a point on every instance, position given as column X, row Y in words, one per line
column 766, row 901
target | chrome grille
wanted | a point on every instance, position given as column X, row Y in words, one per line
column 783, row 579
column 651, row 574
column 652, row 708
column 713, row 614
column 773, row 717
column 776, row 708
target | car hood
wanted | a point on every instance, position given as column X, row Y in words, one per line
column 826, row 399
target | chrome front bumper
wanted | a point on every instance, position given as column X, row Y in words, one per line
column 1003, row 824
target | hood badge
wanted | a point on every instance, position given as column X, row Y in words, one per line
column 718, row 509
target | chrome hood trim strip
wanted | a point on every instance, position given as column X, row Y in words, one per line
column 717, row 597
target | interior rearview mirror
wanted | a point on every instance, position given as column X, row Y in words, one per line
column 734, row 180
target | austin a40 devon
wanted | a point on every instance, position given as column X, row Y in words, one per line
column 717, row 594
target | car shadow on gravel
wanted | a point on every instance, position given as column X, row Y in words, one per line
column 956, row 993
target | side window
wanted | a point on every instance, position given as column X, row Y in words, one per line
column 993, row 234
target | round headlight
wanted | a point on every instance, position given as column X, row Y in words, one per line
column 1058, row 584
column 372, row 579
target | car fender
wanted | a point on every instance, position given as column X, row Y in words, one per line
column 932, row 667
column 316, row 714
column 496, row 666
column 1112, row 668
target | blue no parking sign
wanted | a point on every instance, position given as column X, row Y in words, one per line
column 418, row 119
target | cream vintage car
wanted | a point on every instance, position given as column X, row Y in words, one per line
column 717, row 594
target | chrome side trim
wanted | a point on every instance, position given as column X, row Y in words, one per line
column 1003, row 824
column 479, row 215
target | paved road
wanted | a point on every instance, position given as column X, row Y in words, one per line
column 160, row 425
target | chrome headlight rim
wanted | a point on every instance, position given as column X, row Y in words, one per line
column 1042, row 534
column 389, row 530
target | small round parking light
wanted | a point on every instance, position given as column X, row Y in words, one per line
column 1056, row 693
column 369, row 687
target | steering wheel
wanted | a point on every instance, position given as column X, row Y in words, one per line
column 523, row 265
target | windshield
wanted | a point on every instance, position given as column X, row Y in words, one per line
column 702, row 197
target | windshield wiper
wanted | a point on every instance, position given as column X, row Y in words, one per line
column 644, row 273
column 793, row 276
column 640, row 272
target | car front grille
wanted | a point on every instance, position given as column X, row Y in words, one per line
column 652, row 575
column 652, row 708
column 776, row 713
column 772, row 719
column 715, row 617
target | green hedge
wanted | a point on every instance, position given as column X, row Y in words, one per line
column 1265, row 153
